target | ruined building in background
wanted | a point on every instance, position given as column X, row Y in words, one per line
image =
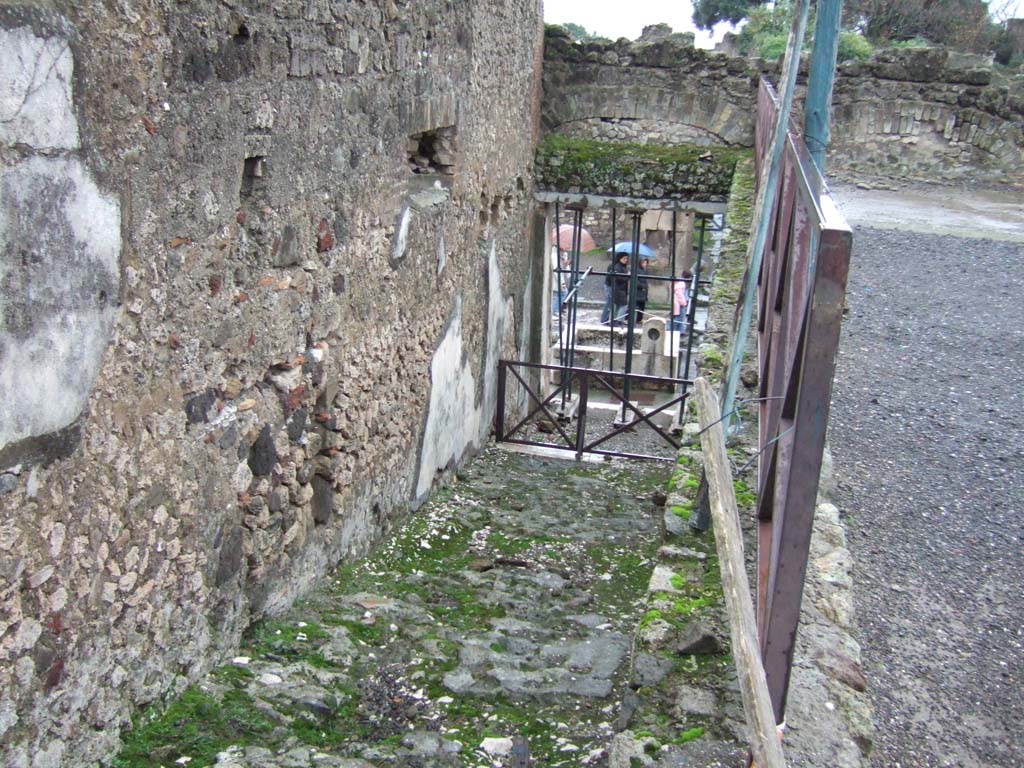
column 258, row 262
column 926, row 114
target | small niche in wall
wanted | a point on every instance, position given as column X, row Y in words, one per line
column 433, row 152
column 254, row 177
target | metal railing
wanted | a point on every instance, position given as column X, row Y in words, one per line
column 575, row 277
column 572, row 431
column 801, row 291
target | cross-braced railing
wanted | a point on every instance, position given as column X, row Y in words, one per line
column 573, row 434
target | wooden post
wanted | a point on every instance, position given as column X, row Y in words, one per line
column 757, row 705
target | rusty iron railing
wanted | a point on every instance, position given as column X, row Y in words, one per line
column 801, row 291
column 587, row 379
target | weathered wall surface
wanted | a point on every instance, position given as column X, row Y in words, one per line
column 916, row 114
column 912, row 113
column 231, row 314
column 660, row 93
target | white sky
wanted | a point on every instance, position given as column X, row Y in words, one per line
column 627, row 18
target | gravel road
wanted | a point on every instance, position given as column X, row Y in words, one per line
column 928, row 445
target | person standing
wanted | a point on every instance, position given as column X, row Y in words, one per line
column 606, row 311
column 559, row 285
column 619, row 280
column 681, row 300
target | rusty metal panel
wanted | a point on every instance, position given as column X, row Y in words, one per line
column 802, row 451
column 803, row 284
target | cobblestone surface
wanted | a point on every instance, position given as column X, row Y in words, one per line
column 498, row 621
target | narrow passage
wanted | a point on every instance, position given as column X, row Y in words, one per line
column 496, row 622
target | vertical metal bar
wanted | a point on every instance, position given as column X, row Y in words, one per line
column 820, row 79
column 574, row 263
column 630, row 310
column 673, row 369
column 764, row 204
column 611, row 305
column 581, row 416
column 499, row 415
column 691, row 310
column 562, row 362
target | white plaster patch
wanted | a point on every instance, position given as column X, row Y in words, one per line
column 402, row 236
column 60, row 246
column 452, row 421
column 442, row 255
column 455, row 421
column 500, row 331
column 35, row 91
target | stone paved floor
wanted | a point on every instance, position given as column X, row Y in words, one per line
column 498, row 620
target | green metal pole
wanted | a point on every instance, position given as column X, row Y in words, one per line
column 820, row 79
column 766, row 193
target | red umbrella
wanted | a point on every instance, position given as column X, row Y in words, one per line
column 562, row 237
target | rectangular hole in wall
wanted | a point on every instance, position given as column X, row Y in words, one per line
column 433, row 151
column 254, row 177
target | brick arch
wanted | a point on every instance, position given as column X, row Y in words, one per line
column 627, row 111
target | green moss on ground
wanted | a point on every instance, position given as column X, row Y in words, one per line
column 423, row 568
column 197, row 725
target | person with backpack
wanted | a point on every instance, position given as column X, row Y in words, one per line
column 559, row 282
column 606, row 311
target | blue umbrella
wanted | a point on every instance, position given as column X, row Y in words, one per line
column 644, row 251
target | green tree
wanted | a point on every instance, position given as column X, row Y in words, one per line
column 577, row 32
column 766, row 32
column 707, row 13
column 963, row 24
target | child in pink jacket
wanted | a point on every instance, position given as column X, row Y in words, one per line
column 680, row 300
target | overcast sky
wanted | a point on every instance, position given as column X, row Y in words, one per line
column 627, row 18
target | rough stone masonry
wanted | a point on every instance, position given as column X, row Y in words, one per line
column 928, row 114
column 257, row 264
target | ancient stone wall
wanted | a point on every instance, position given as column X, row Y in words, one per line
column 914, row 113
column 923, row 114
column 258, row 262
column 663, row 92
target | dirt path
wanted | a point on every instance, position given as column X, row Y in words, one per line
column 983, row 213
column 927, row 434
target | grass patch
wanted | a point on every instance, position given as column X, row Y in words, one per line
column 744, row 496
column 197, row 725
column 289, row 640
column 689, row 735
column 683, row 510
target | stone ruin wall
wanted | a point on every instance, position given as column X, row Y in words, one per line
column 238, row 334
column 915, row 114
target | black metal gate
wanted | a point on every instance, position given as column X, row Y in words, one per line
column 573, row 429
column 551, row 405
